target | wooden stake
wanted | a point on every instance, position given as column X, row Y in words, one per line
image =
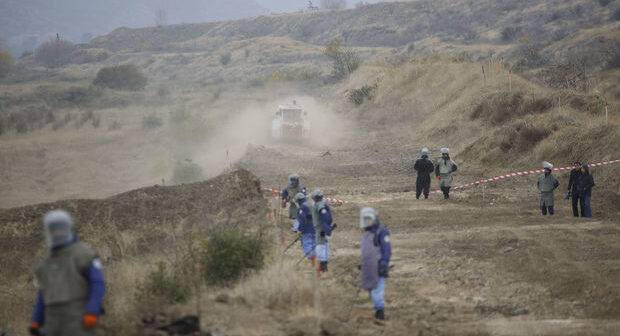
column 606, row 112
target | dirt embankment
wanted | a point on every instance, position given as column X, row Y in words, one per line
column 123, row 227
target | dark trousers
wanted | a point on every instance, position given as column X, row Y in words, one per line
column 575, row 201
column 584, row 203
column 420, row 187
column 545, row 208
column 446, row 192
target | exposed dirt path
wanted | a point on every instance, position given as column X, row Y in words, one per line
column 462, row 266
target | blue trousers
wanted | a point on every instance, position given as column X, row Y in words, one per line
column 584, row 204
column 376, row 295
column 308, row 241
column 322, row 252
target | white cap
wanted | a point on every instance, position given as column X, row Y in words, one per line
column 547, row 165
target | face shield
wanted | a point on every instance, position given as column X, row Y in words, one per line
column 294, row 180
column 316, row 195
column 58, row 227
column 368, row 217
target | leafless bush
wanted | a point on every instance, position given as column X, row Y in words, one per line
column 121, row 77
column 570, row 74
column 510, row 33
column 54, row 53
column 344, row 61
column 333, row 4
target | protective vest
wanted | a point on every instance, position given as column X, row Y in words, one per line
column 546, row 185
column 61, row 274
column 317, row 221
column 371, row 254
column 445, row 172
column 292, row 191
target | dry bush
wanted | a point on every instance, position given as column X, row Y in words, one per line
column 121, row 77
column 278, row 285
column 225, row 58
column 152, row 121
column 186, row 171
column 344, row 61
column 164, row 283
column 6, row 62
column 54, row 53
column 358, row 96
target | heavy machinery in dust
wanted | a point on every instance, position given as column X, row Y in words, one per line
column 291, row 122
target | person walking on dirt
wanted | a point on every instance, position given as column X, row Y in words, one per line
column 547, row 183
column 584, row 189
column 306, row 226
column 376, row 253
column 288, row 194
column 424, row 167
column 322, row 220
column 575, row 173
column 444, row 169
column 71, row 284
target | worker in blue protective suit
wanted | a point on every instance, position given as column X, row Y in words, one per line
column 322, row 221
column 376, row 253
column 288, row 197
column 306, row 226
column 71, row 284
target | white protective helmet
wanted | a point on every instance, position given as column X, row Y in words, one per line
column 445, row 150
column 547, row 165
column 58, row 226
column 368, row 217
column 425, row 151
column 316, row 194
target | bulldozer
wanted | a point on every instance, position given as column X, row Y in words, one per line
column 291, row 122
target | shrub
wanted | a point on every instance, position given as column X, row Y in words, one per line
column 358, row 96
column 186, row 171
column 225, row 59
column 411, row 47
column 54, row 53
column 6, row 61
column 501, row 107
column 164, row 284
column 228, row 255
column 152, row 121
column 344, row 61
column 121, row 77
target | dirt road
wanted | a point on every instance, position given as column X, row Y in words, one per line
column 463, row 266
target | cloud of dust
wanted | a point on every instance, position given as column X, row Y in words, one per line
column 250, row 125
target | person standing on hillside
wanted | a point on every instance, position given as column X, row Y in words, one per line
column 547, row 183
column 584, row 189
column 444, row 169
column 71, row 284
column 288, row 194
column 376, row 253
column 322, row 220
column 306, row 226
column 575, row 173
column 424, row 167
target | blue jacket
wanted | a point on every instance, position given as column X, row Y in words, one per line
column 383, row 239
column 325, row 216
column 94, row 305
column 304, row 217
column 585, row 182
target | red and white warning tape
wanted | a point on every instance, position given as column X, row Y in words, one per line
column 463, row 186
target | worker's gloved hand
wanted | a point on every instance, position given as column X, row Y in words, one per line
column 284, row 204
column 383, row 271
column 438, row 177
column 359, row 267
column 90, row 321
column 34, row 329
column 322, row 233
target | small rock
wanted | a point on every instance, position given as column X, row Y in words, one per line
column 425, row 324
column 508, row 249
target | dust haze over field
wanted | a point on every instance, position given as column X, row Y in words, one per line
column 163, row 156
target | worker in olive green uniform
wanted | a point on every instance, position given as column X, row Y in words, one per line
column 547, row 183
column 443, row 170
column 71, row 284
column 293, row 188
